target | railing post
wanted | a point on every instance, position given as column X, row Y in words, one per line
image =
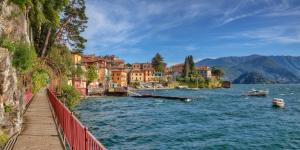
column 72, row 129
column 85, row 138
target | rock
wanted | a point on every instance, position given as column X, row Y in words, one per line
column 13, row 22
column 10, row 94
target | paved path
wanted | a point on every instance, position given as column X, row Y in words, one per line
column 39, row 128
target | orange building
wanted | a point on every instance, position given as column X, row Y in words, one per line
column 119, row 77
column 149, row 75
column 113, row 61
column 100, row 65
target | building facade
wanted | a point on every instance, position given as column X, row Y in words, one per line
column 204, row 71
column 142, row 72
column 119, row 78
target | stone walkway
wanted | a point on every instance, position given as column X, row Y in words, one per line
column 39, row 132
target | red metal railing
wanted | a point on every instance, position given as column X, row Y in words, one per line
column 77, row 136
column 27, row 97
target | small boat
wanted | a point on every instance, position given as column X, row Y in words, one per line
column 182, row 87
column 254, row 92
column 278, row 102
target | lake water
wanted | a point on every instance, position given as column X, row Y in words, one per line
column 214, row 119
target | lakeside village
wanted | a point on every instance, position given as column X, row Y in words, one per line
column 109, row 75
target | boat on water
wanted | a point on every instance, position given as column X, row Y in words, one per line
column 278, row 102
column 255, row 92
column 182, row 87
column 185, row 99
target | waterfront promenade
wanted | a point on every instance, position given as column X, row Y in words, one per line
column 40, row 131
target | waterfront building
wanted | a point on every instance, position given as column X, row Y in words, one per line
column 204, row 71
column 136, row 76
column 79, row 83
column 142, row 72
column 119, row 77
column 113, row 61
column 149, row 75
column 100, row 65
column 176, row 70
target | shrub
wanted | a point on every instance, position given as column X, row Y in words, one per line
column 8, row 108
column 22, row 3
column 5, row 43
column 71, row 96
column 3, row 138
column 39, row 79
column 24, row 55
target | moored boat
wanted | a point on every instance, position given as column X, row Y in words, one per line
column 254, row 92
column 278, row 102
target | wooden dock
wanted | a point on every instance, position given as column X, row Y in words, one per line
column 184, row 99
column 40, row 132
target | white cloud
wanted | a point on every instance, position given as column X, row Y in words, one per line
column 284, row 34
column 118, row 24
column 128, row 22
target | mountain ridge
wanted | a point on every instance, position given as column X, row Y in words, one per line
column 275, row 69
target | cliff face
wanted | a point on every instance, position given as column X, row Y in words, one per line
column 13, row 22
column 13, row 26
column 10, row 95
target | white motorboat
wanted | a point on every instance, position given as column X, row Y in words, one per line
column 254, row 92
column 278, row 102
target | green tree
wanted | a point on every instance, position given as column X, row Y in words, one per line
column 71, row 96
column 128, row 65
column 91, row 74
column 39, row 79
column 24, row 57
column 217, row 72
column 78, row 71
column 189, row 66
column 73, row 23
column 55, row 22
column 62, row 58
column 45, row 19
column 158, row 63
column 186, row 68
column 191, row 62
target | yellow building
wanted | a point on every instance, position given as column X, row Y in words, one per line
column 119, row 77
column 142, row 72
column 136, row 76
column 76, row 57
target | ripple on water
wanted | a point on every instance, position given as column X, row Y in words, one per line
column 215, row 119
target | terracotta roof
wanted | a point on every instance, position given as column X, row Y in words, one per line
column 203, row 68
column 90, row 59
column 178, row 65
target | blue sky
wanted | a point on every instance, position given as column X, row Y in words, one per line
column 137, row 29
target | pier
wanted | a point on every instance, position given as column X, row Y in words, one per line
column 184, row 99
column 39, row 130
